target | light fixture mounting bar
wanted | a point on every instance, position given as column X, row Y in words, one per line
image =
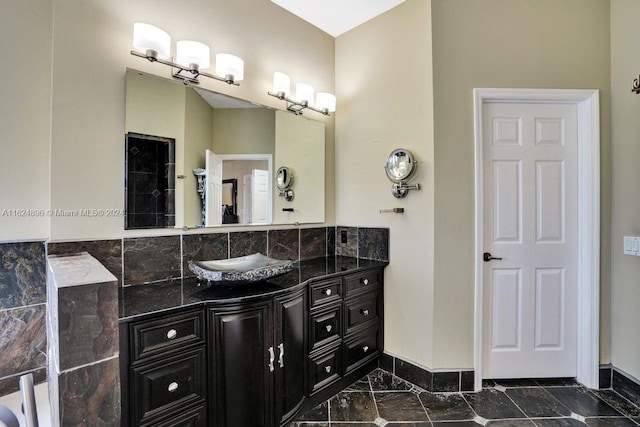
column 178, row 70
column 297, row 107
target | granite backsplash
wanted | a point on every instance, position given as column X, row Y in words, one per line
column 140, row 260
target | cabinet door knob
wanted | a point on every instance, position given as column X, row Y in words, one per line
column 281, row 358
column 328, row 328
column 327, row 292
column 365, row 348
column 172, row 333
column 272, row 357
column 364, row 312
column 364, row 281
column 327, row 368
column 172, row 387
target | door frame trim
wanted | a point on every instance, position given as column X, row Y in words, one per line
column 588, row 103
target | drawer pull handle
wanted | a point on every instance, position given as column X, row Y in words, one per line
column 272, row 357
column 365, row 348
column 172, row 387
column 364, row 281
column 327, row 292
column 364, row 312
column 281, row 358
column 328, row 328
column 172, row 334
column 328, row 369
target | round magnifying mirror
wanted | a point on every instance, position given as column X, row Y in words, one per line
column 401, row 165
column 284, row 178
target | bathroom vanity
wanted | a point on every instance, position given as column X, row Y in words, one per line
column 204, row 354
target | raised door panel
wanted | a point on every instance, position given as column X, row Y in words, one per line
column 291, row 349
column 243, row 355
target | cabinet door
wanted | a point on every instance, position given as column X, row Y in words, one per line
column 242, row 378
column 291, row 351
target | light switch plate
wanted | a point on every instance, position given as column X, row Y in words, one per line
column 631, row 245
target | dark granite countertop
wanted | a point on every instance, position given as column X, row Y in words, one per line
column 139, row 300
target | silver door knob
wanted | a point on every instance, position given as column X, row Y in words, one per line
column 172, row 333
column 327, row 292
column 328, row 369
column 172, row 387
column 365, row 348
column 365, row 281
column 328, row 328
column 364, row 312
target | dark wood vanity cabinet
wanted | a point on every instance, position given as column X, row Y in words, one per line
column 166, row 370
column 258, row 361
column 254, row 362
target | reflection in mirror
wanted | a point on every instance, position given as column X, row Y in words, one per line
column 198, row 120
column 150, row 181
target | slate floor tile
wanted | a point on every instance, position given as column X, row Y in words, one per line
column 493, row 405
column 582, row 402
column 384, row 381
column 319, row 413
column 511, row 423
column 446, row 407
column 455, row 424
column 400, row 406
column 537, row 402
column 353, row 406
column 361, row 385
column 414, row 424
column 618, row 402
column 558, row 422
column 610, row 422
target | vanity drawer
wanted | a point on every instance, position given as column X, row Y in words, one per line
column 196, row 417
column 361, row 311
column 361, row 348
column 167, row 333
column 325, row 326
column 324, row 369
column 360, row 282
column 326, row 291
column 168, row 386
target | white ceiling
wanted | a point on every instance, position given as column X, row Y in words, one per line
column 337, row 16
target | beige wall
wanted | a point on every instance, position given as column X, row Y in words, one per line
column 92, row 40
column 244, row 131
column 198, row 138
column 384, row 91
column 625, row 109
column 299, row 146
column 501, row 43
column 25, row 118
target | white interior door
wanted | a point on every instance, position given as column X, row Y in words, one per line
column 530, row 222
column 213, row 190
column 259, row 196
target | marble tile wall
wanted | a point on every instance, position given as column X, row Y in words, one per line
column 151, row 259
column 23, row 310
column 108, row 252
column 136, row 261
column 84, row 349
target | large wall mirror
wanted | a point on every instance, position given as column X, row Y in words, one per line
column 196, row 158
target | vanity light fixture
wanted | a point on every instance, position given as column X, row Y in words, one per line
column 325, row 103
column 191, row 57
column 635, row 86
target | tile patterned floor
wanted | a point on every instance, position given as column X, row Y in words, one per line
column 382, row 399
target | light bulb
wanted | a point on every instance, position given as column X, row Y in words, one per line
column 326, row 101
column 229, row 65
column 281, row 83
column 304, row 93
column 152, row 40
column 189, row 52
